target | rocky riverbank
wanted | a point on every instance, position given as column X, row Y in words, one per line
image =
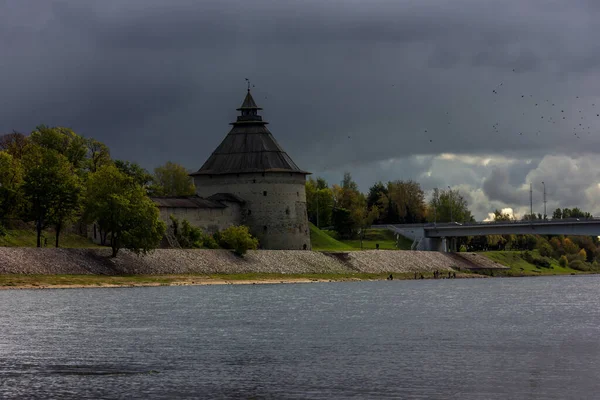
column 177, row 261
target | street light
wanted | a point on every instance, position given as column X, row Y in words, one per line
column 450, row 199
column 544, row 185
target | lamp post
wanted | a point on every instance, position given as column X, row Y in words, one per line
column 544, row 185
column 451, row 205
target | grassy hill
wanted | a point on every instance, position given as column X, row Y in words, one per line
column 327, row 241
column 321, row 241
column 384, row 237
column 519, row 267
column 28, row 238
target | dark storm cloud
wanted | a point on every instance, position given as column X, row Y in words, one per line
column 345, row 84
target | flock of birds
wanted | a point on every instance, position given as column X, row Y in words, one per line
column 548, row 112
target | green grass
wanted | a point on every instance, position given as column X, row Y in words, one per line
column 384, row 237
column 321, row 241
column 328, row 241
column 28, row 238
column 520, row 267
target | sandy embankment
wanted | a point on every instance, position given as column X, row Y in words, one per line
column 176, row 263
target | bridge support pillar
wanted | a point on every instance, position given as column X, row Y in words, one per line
column 431, row 244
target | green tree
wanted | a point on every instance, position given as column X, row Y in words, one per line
column 139, row 175
column 500, row 216
column 98, row 154
column 51, row 187
column 350, row 204
column 569, row 246
column 319, row 202
column 448, row 206
column 405, row 202
column 563, row 262
column 369, row 215
column 239, row 239
column 62, row 140
column 557, row 214
column 121, row 209
column 11, row 178
column 343, row 223
column 172, row 179
column 14, row 143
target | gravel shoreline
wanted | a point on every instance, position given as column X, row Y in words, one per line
column 51, row 261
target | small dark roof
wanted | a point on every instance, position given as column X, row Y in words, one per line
column 249, row 147
column 232, row 198
column 249, row 103
column 186, row 202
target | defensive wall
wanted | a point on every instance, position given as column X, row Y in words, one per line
column 275, row 205
column 20, row 260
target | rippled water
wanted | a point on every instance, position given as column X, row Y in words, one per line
column 535, row 338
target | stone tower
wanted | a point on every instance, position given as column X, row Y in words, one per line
column 250, row 164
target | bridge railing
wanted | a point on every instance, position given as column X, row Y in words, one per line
column 487, row 223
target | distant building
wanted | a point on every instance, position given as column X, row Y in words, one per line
column 250, row 180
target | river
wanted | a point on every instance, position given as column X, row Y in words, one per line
column 515, row 338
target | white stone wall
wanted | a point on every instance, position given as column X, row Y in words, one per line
column 275, row 208
column 210, row 220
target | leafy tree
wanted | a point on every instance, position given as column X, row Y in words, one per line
column 139, row 175
column 343, row 223
column 319, row 200
column 406, row 201
column 51, row 188
column 563, row 262
column 499, row 216
column 172, row 179
column 557, row 214
column 368, row 216
column 98, row 154
column 569, row 246
column 120, row 207
column 62, row 140
column 376, row 193
column 11, row 178
column 239, row 239
column 322, row 183
column 14, row 144
column 447, row 206
column 350, row 203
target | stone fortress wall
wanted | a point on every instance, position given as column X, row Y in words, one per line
column 275, row 208
column 210, row 220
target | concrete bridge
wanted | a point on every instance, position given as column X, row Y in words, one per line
column 442, row 236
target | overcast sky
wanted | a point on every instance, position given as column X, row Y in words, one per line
column 483, row 96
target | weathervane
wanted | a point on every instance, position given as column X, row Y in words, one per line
column 248, row 81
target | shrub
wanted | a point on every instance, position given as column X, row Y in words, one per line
column 190, row 235
column 2, row 230
column 542, row 262
column 546, row 249
column 239, row 239
column 579, row 265
column 527, row 256
column 463, row 249
column 209, row 242
column 563, row 262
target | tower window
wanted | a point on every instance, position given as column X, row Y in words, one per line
column 298, row 194
column 265, row 193
column 253, row 180
column 265, row 228
column 287, row 211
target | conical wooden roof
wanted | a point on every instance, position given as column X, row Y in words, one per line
column 248, row 147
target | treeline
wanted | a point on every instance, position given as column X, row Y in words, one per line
column 54, row 177
column 350, row 211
